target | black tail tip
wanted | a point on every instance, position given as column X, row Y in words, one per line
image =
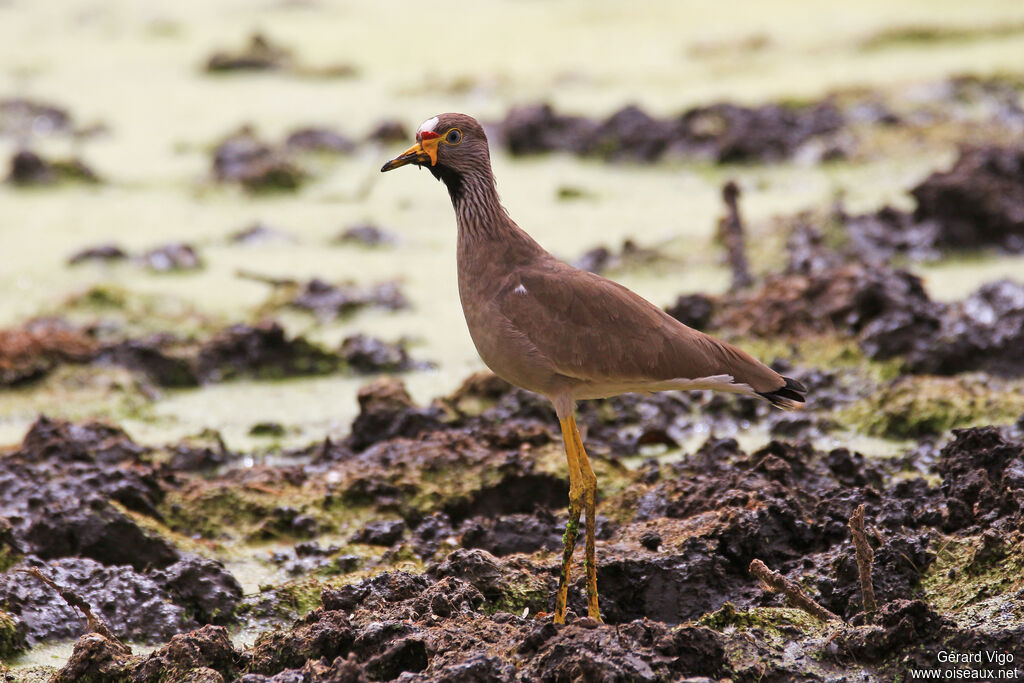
column 789, row 397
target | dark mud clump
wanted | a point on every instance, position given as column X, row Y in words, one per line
column 75, row 496
column 21, row 118
column 886, row 309
column 254, row 351
column 27, row 168
column 475, row 488
column 389, row 131
column 260, row 233
column 979, row 202
column 105, row 252
column 31, row 351
column 369, row 355
column 257, row 166
column 319, row 140
column 260, row 54
column 261, row 351
column 173, row 257
column 630, row 255
column 725, row 133
column 983, row 332
column 329, row 301
column 366, row 235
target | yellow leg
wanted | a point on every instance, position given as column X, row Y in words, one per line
column 590, row 506
column 572, row 528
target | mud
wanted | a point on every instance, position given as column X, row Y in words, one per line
column 979, row 202
column 474, row 487
column 261, row 351
column 31, row 351
column 105, row 252
column 27, row 168
column 365, row 234
column 175, row 256
column 257, row 166
column 328, row 301
column 22, row 118
column 76, row 497
column 260, row 54
column 724, row 133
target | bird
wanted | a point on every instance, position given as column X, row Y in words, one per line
column 565, row 333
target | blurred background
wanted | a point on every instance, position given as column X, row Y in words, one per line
column 206, row 161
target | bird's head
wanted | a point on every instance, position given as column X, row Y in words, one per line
column 450, row 145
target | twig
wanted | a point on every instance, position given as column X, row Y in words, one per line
column 865, row 556
column 96, row 624
column 777, row 583
column 730, row 232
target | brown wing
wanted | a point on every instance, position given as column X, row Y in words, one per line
column 591, row 328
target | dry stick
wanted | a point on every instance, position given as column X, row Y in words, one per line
column 865, row 556
column 777, row 583
column 96, row 624
column 730, row 232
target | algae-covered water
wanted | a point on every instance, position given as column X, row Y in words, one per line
column 135, row 70
column 131, row 75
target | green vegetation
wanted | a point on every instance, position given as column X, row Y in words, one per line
column 917, row 406
column 976, row 580
column 12, row 639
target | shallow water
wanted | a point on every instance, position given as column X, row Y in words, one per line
column 135, row 67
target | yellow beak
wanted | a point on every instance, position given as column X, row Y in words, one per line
column 420, row 153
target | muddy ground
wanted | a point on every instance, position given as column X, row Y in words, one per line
column 424, row 545
column 253, row 442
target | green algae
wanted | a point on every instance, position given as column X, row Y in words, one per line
column 918, row 406
column 776, row 623
column 12, row 640
column 976, row 580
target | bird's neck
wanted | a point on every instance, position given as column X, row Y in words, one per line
column 482, row 221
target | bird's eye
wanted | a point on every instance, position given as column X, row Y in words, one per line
column 453, row 137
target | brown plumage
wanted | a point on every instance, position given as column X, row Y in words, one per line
column 562, row 332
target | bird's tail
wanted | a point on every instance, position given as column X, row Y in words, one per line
column 789, row 397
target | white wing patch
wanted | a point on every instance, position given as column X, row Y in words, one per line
column 520, row 290
column 428, row 125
